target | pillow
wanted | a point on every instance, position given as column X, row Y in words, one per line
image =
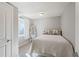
column 53, row 32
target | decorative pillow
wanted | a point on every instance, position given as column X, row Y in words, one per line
column 53, row 32
column 56, row 32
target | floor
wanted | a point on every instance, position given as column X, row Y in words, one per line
column 25, row 50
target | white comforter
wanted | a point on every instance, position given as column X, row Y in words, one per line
column 55, row 45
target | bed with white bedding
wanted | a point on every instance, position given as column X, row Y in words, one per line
column 54, row 45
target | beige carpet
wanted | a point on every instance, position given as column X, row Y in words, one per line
column 24, row 50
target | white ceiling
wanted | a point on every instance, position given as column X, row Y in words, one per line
column 33, row 9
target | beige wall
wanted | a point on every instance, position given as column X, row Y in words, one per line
column 68, row 22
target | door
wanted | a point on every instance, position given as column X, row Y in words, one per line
column 5, row 30
column 8, row 30
column 2, row 32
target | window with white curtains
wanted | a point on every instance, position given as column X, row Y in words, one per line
column 23, row 27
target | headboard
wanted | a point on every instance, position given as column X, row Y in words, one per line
column 53, row 31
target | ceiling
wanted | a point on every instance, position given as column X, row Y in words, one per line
column 32, row 9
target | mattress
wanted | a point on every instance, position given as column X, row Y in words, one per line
column 54, row 45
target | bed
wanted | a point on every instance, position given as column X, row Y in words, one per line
column 51, row 45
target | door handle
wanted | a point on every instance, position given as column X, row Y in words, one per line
column 8, row 40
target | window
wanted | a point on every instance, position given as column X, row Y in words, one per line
column 21, row 26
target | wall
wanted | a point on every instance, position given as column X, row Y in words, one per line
column 15, row 51
column 77, row 28
column 68, row 22
column 46, row 23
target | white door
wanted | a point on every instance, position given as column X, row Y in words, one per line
column 8, row 30
column 5, row 31
column 2, row 32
